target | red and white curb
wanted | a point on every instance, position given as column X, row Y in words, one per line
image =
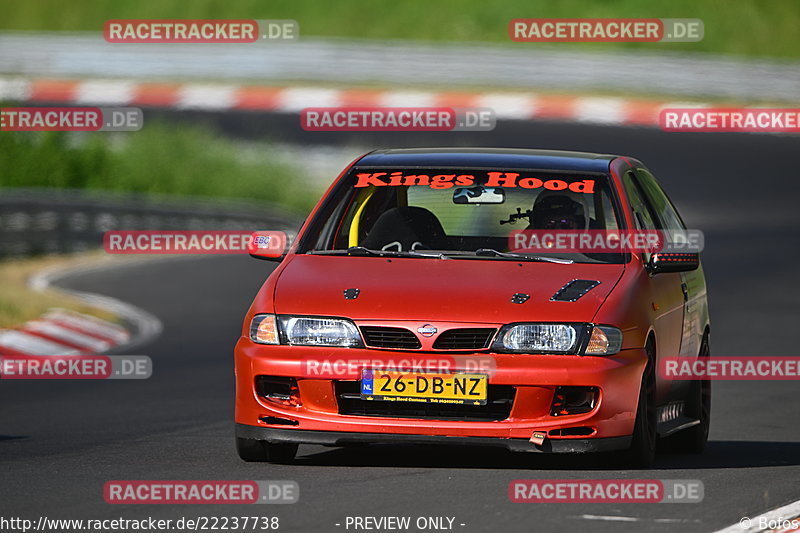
column 63, row 332
column 66, row 332
column 221, row 97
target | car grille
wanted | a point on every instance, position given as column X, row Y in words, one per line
column 385, row 337
column 464, row 339
column 500, row 399
column 404, row 339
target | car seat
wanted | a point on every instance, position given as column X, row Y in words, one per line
column 406, row 228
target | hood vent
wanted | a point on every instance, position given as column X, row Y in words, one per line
column 574, row 290
column 351, row 294
column 520, row 298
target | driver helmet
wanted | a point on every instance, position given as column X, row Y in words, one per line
column 556, row 210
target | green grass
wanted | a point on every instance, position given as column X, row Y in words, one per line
column 19, row 303
column 744, row 27
column 158, row 159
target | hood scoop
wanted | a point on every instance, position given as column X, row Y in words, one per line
column 574, row 290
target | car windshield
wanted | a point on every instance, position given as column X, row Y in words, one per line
column 459, row 213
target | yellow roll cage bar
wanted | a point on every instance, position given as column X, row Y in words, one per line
column 361, row 202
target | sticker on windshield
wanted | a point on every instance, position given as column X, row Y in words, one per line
column 491, row 180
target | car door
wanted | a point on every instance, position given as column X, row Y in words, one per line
column 692, row 283
column 667, row 300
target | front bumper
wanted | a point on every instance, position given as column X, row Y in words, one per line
column 341, row 438
column 534, row 377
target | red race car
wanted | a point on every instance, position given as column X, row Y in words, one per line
column 415, row 307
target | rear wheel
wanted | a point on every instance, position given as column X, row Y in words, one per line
column 257, row 451
column 698, row 406
column 642, row 452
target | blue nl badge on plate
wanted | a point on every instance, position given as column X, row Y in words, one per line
column 366, row 381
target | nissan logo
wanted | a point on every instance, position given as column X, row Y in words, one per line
column 427, row 330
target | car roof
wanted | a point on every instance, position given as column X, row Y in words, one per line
column 488, row 158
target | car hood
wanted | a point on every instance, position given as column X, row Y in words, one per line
column 453, row 290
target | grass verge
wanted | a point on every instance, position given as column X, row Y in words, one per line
column 743, row 27
column 19, row 303
column 159, row 159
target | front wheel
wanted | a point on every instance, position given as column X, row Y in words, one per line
column 257, row 451
column 642, row 452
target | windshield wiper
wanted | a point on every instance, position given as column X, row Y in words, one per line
column 363, row 251
column 481, row 252
column 491, row 252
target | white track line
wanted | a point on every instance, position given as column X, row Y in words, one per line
column 609, row 518
column 617, row 518
column 787, row 512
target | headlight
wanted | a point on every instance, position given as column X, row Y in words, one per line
column 304, row 331
column 531, row 338
column 605, row 340
column 313, row 331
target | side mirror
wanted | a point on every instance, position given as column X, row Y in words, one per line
column 673, row 262
column 269, row 245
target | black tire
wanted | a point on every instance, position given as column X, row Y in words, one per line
column 642, row 452
column 698, row 406
column 257, row 451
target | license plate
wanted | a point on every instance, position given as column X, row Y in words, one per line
column 423, row 387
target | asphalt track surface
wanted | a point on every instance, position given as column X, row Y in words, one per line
column 61, row 441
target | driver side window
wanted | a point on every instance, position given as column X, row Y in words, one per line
column 642, row 213
column 668, row 217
